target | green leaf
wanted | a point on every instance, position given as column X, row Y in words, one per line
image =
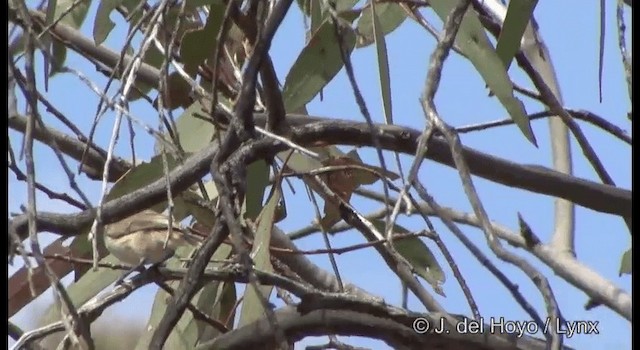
column 151, row 57
column 87, row 287
column 193, row 132
column 103, row 25
column 475, row 45
column 418, row 255
column 519, row 13
column 140, row 176
column 74, row 18
column 252, row 308
column 199, row 44
column 197, row 3
column 188, row 331
column 81, row 247
column 340, row 5
column 182, row 337
column 213, row 300
column 383, row 65
column 316, row 15
column 257, row 181
column 224, row 310
column 202, row 215
column 389, row 16
column 626, row 263
column 317, row 64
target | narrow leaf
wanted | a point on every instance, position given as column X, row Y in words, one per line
column 418, row 255
column 317, row 64
column 103, row 25
column 519, row 13
column 252, row 308
column 91, row 283
column 475, row 45
column 389, row 16
column 194, row 133
column 383, row 65
column 257, row 181
column 626, row 263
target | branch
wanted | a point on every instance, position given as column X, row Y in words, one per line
column 566, row 266
column 539, row 179
column 317, row 316
column 71, row 146
column 604, row 198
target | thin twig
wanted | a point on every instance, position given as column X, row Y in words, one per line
column 325, row 237
column 587, row 116
column 622, row 44
column 79, row 331
column 339, row 27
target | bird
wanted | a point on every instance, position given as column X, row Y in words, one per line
column 140, row 239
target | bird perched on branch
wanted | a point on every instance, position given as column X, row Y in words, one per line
column 143, row 238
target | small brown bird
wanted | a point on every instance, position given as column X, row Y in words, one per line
column 140, row 239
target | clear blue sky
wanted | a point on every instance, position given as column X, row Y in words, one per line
column 571, row 32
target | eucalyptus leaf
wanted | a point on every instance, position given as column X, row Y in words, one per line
column 475, row 45
column 317, row 64
column 626, row 263
column 252, row 307
column 519, row 13
column 418, row 255
column 389, row 16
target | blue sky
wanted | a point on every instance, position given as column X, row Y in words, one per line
column 570, row 30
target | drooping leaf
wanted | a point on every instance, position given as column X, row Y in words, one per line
column 626, row 263
column 194, row 133
column 519, row 13
column 252, row 307
column 199, row 44
column 418, row 255
column 216, row 300
column 340, row 5
column 317, row 64
column 257, row 181
column 383, row 60
column 182, row 336
column 87, row 287
column 224, row 311
column 103, row 25
column 71, row 13
column 152, row 57
column 389, row 16
column 475, row 45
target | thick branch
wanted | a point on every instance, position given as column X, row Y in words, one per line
column 599, row 197
column 388, row 324
column 71, row 146
column 538, row 179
